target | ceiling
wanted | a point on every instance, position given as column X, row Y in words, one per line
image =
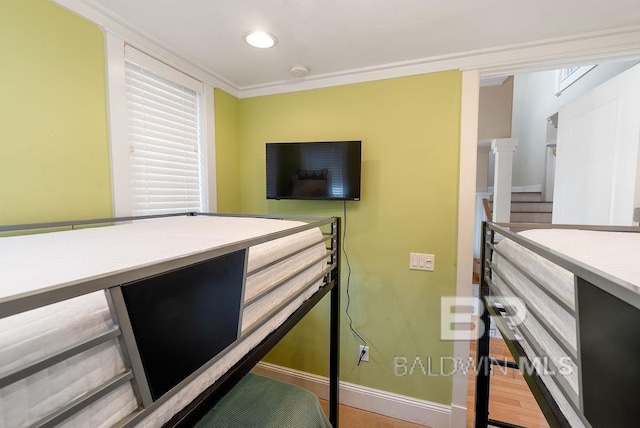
column 333, row 36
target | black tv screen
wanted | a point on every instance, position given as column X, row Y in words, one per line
column 318, row 170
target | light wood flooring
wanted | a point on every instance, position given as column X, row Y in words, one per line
column 510, row 399
column 351, row 417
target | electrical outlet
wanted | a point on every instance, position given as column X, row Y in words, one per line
column 365, row 357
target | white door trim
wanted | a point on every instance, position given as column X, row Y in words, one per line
column 466, row 227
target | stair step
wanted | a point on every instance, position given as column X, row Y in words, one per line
column 529, row 206
column 531, row 217
column 524, row 196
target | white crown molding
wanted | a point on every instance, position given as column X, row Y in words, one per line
column 618, row 44
column 588, row 48
column 396, row 406
column 142, row 41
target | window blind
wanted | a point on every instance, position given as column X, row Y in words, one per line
column 163, row 119
column 566, row 72
column 329, row 156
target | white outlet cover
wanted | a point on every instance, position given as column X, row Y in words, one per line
column 365, row 357
column 419, row 261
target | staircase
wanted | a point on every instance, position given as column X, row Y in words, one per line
column 526, row 207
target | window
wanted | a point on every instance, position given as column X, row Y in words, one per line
column 159, row 135
column 566, row 72
column 164, row 140
column 568, row 76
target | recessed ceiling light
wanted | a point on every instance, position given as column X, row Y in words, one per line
column 260, row 39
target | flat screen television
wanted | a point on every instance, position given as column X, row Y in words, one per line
column 314, row 170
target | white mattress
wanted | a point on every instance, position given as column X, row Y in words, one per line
column 615, row 253
column 38, row 261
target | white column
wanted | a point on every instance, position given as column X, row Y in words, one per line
column 503, row 148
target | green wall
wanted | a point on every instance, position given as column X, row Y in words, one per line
column 410, row 133
column 227, row 151
column 54, row 153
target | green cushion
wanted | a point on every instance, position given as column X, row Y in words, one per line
column 257, row 401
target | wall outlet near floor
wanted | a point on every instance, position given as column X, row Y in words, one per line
column 365, row 357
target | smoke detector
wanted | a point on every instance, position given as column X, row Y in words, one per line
column 299, row 70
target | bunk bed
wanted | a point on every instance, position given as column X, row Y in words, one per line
column 566, row 300
column 149, row 321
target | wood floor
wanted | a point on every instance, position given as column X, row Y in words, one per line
column 351, row 417
column 510, row 401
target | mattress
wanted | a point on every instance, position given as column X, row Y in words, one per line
column 34, row 262
column 614, row 253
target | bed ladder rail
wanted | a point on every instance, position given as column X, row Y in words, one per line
column 56, row 417
column 40, row 364
column 483, row 357
column 483, row 380
column 84, row 400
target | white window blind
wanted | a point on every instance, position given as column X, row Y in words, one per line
column 329, row 156
column 163, row 118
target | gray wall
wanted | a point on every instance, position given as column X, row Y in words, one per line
column 494, row 121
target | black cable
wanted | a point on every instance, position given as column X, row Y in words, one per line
column 362, row 353
column 346, row 257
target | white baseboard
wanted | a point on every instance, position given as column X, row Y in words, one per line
column 458, row 416
column 397, row 406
